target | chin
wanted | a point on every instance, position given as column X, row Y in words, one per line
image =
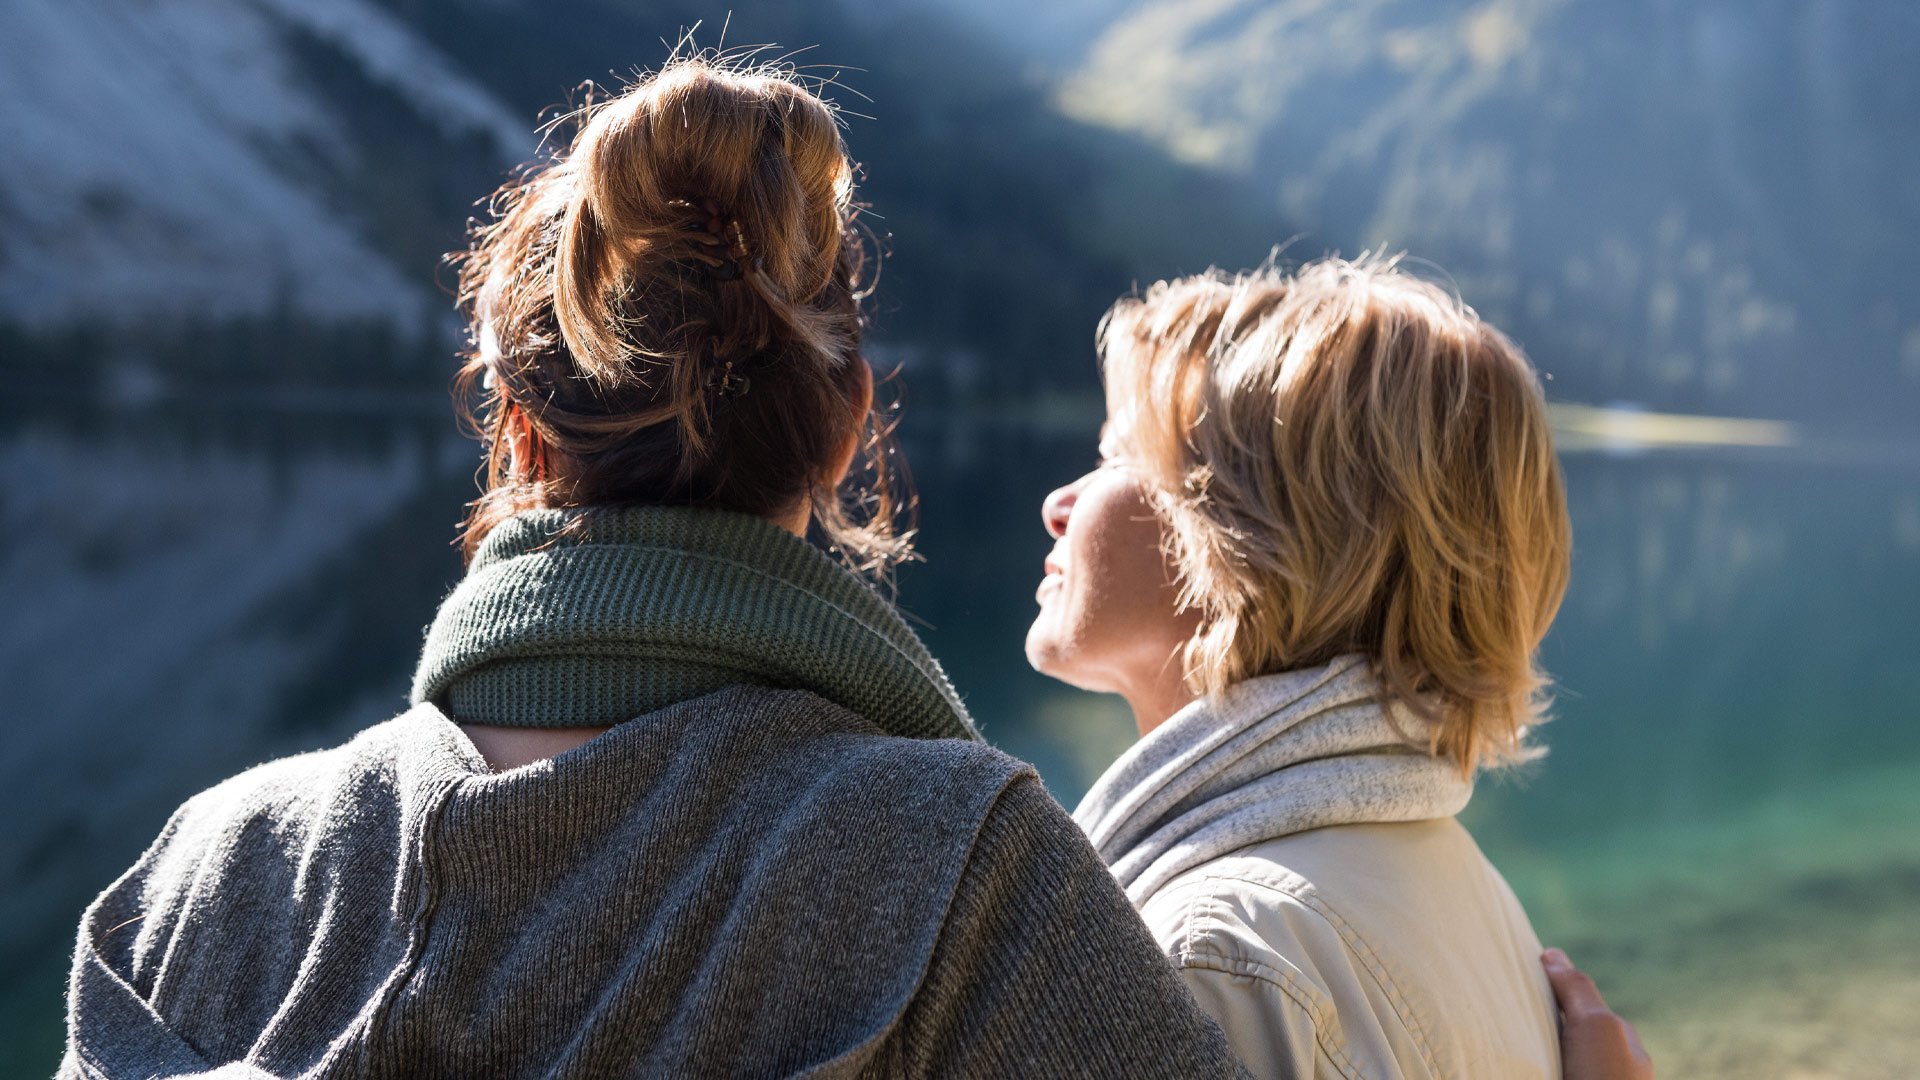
column 1044, row 651
column 1055, row 659
column 1039, row 651
column 1057, row 649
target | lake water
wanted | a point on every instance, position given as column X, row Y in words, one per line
column 1726, row 832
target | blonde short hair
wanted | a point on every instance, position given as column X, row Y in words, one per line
column 1349, row 460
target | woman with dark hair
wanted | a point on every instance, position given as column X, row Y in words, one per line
column 679, row 792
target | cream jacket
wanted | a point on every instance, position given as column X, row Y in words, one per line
column 1300, row 863
column 1363, row 951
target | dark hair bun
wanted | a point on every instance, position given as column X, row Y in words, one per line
column 656, row 169
column 669, row 312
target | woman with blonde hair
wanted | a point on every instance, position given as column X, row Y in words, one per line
column 1325, row 538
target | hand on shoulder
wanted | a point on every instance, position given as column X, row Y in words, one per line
column 1596, row 1043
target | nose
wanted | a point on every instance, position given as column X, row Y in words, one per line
column 1057, row 506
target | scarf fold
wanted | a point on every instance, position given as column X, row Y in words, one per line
column 632, row 609
column 1272, row 756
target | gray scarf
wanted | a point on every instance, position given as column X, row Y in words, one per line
column 1272, row 756
column 578, row 618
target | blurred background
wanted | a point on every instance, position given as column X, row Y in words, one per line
column 229, row 472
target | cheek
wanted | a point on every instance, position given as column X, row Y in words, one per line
column 1115, row 611
column 1128, row 600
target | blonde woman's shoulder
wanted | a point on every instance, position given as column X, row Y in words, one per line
column 1363, row 951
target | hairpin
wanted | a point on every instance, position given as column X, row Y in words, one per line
column 728, row 383
column 719, row 230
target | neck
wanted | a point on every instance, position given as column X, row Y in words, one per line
column 796, row 521
column 507, row 748
column 1158, row 697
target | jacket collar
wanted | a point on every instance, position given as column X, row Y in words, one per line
column 1274, row 755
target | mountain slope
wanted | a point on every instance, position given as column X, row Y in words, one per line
column 290, row 161
column 1702, row 204
column 187, row 157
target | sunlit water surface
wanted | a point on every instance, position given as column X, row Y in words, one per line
column 1724, row 833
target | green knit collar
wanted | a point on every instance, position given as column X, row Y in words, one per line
column 632, row 609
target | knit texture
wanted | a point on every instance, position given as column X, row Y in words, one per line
column 751, row 881
column 1273, row 756
column 588, row 618
column 756, row 882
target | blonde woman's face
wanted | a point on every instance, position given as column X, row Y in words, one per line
column 1109, row 618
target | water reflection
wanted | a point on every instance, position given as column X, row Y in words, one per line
column 1725, row 829
column 188, row 598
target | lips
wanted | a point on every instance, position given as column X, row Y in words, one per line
column 1055, row 574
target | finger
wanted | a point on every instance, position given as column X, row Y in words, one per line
column 1633, row 1041
column 1572, row 988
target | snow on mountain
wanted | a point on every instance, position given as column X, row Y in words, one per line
column 170, row 157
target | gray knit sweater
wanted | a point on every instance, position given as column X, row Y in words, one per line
column 755, row 881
